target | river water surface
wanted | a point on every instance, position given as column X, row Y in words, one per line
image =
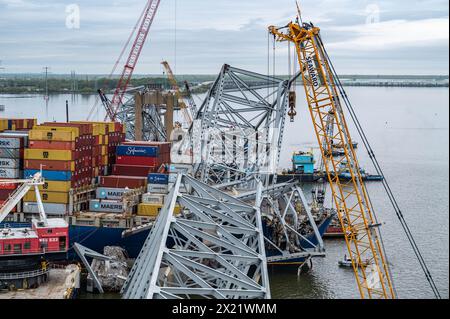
column 409, row 131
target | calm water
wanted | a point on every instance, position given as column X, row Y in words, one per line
column 408, row 129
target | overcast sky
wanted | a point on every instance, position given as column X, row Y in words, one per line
column 363, row 37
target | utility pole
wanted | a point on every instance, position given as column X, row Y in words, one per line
column 46, row 97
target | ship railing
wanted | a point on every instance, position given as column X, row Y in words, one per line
column 23, row 275
column 39, row 251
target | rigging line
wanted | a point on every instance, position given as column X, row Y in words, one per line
column 386, row 185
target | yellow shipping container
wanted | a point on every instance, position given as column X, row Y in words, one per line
column 54, row 186
column 51, row 155
column 104, row 150
column 3, row 124
column 104, row 160
column 75, row 130
column 153, row 210
column 48, row 197
column 49, row 135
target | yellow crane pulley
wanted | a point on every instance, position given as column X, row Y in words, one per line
column 361, row 230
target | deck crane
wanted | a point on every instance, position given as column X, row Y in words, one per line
column 176, row 88
column 148, row 16
column 26, row 184
column 352, row 201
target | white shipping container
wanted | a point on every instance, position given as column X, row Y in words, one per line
column 9, row 163
column 10, row 142
column 50, row 209
column 111, row 193
column 10, row 173
column 10, row 153
column 173, row 177
column 150, row 198
column 181, row 168
column 106, row 206
column 157, row 189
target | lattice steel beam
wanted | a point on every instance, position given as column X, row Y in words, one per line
column 215, row 249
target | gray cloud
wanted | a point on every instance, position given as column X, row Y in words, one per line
column 210, row 33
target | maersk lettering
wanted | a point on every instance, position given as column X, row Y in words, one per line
column 111, row 206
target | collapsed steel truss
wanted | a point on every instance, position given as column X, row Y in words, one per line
column 239, row 128
column 214, row 250
column 153, row 126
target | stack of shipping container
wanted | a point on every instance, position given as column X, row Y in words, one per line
column 13, row 141
column 134, row 162
column 72, row 156
column 64, row 152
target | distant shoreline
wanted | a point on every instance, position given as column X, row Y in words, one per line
column 89, row 84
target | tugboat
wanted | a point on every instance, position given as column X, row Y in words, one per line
column 25, row 251
column 346, row 175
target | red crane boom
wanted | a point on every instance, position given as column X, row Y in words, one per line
column 149, row 14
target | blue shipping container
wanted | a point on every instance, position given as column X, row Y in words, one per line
column 142, row 151
column 160, row 179
column 60, row 176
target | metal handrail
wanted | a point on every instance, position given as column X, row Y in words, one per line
column 32, row 251
column 23, row 275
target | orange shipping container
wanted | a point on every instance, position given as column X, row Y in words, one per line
column 50, row 165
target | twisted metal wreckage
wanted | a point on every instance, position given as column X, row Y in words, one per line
column 236, row 219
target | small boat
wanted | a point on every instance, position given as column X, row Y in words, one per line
column 347, row 263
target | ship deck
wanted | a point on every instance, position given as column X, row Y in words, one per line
column 61, row 282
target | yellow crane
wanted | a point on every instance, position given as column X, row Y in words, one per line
column 176, row 88
column 363, row 239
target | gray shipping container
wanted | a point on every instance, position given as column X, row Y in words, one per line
column 9, row 163
column 157, row 188
column 110, row 193
column 105, row 206
column 10, row 173
column 150, row 198
column 50, row 209
column 10, row 153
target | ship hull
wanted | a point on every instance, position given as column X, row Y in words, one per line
column 97, row 238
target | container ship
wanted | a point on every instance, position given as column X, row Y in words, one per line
column 99, row 183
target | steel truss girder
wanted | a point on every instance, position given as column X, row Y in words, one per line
column 153, row 126
column 215, row 249
column 241, row 126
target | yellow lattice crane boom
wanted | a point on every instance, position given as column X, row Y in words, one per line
column 176, row 88
column 352, row 201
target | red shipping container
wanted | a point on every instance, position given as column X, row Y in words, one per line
column 138, row 161
column 4, row 194
column 8, row 186
column 123, row 182
column 131, row 170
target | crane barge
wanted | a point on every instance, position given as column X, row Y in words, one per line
column 362, row 233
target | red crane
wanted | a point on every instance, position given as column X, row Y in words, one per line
column 147, row 20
